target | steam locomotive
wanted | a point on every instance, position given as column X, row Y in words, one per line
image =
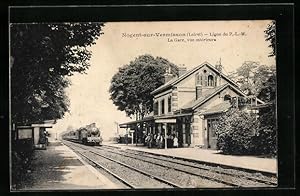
column 88, row 135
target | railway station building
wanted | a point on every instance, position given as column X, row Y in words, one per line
column 190, row 104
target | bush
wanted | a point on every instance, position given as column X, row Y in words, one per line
column 265, row 140
column 235, row 132
column 239, row 132
column 21, row 156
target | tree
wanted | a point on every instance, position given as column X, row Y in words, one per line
column 265, row 141
column 266, row 138
column 253, row 77
column 270, row 35
column 267, row 91
column 245, row 75
column 42, row 56
column 131, row 86
column 258, row 80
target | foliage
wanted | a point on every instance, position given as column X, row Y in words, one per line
column 235, row 131
column 253, row 77
column 131, row 86
column 42, row 55
column 270, row 35
column 246, row 76
column 265, row 141
column 268, row 89
column 21, row 157
column 239, row 132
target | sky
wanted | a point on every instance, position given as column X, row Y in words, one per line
column 187, row 43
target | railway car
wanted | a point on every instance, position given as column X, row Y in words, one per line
column 88, row 135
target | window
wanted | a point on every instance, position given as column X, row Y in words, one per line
column 169, row 103
column 227, row 97
column 210, row 80
column 199, row 79
column 155, row 108
column 216, row 81
column 162, row 105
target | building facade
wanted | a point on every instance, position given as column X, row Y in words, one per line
column 188, row 106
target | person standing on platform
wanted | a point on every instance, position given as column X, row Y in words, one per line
column 126, row 139
column 162, row 141
column 158, row 140
column 154, row 140
column 175, row 142
column 150, row 140
column 146, row 140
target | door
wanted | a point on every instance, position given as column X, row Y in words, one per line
column 180, row 132
column 188, row 133
column 211, row 134
column 42, row 139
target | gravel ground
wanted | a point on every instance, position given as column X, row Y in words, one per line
column 185, row 180
column 135, row 178
column 224, row 170
column 241, row 176
column 172, row 175
column 240, row 181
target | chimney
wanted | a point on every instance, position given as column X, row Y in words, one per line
column 198, row 91
column 168, row 75
column 218, row 66
column 181, row 70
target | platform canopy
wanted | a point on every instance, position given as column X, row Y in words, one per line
column 154, row 119
column 168, row 120
column 133, row 123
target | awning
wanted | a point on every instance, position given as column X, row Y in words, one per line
column 42, row 125
column 169, row 120
column 156, row 119
column 125, row 125
column 173, row 116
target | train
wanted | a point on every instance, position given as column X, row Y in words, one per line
column 88, row 135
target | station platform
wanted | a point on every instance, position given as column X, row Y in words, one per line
column 59, row 168
column 268, row 165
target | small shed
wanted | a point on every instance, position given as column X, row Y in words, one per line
column 40, row 135
column 34, row 135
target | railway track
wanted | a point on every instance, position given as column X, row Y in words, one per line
column 185, row 174
column 264, row 180
column 130, row 176
column 208, row 173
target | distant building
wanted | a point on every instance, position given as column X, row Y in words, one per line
column 189, row 105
